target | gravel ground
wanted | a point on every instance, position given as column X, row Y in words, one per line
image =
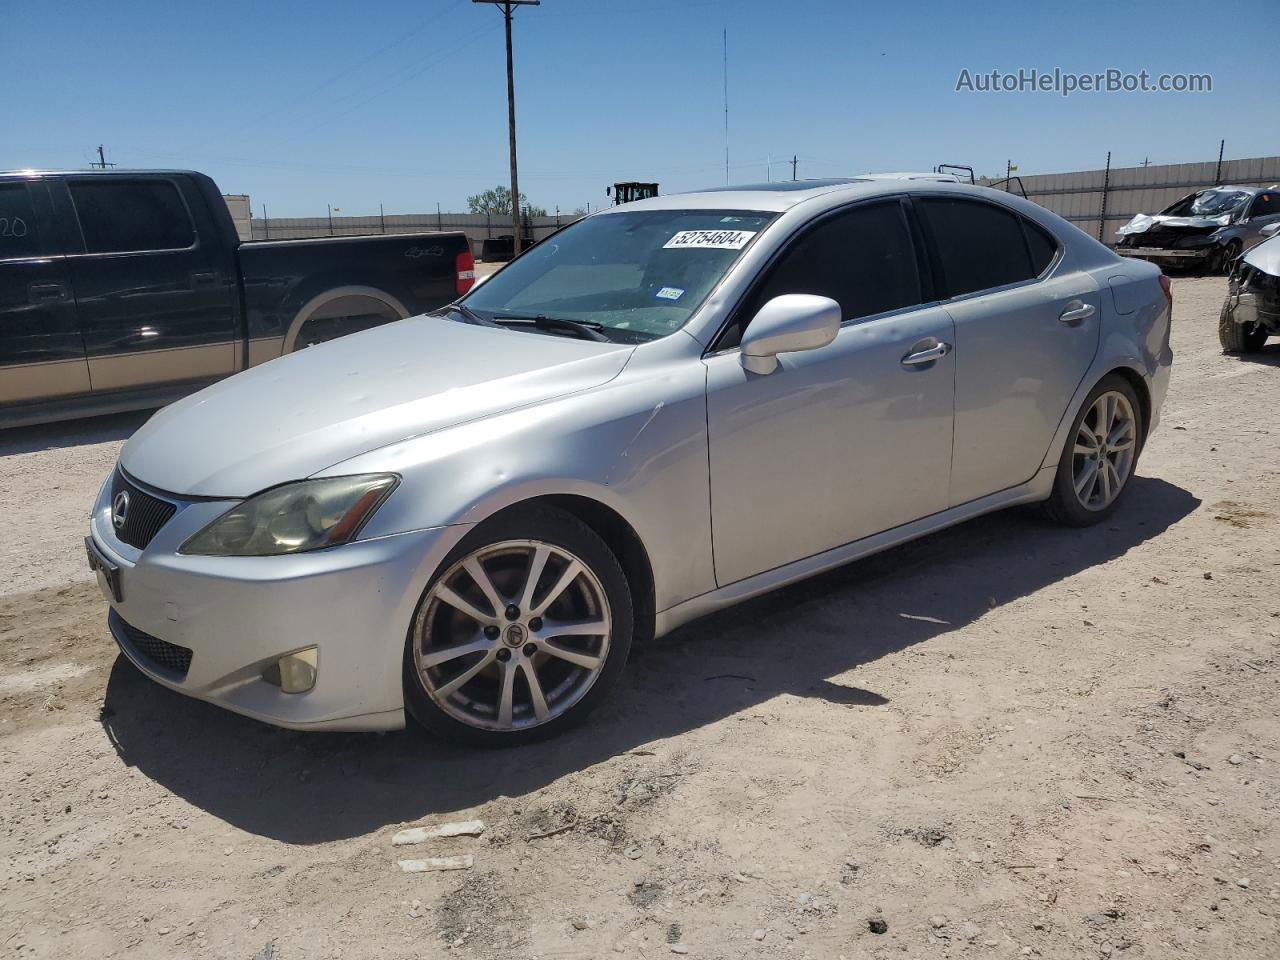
column 1006, row 740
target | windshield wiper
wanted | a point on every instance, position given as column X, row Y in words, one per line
column 470, row 315
column 584, row 329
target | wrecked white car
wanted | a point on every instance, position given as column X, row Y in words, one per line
column 1251, row 312
column 1208, row 229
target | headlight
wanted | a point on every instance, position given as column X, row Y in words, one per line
column 299, row 516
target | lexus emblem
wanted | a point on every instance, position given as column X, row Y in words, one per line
column 120, row 509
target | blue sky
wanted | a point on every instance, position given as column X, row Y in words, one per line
column 403, row 102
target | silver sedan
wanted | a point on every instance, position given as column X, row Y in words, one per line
column 664, row 409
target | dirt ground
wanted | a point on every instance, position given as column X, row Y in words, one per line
column 1006, row 740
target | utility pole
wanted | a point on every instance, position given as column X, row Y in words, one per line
column 330, row 206
column 102, row 160
column 508, row 8
column 794, row 161
column 1217, row 174
column 726, row 105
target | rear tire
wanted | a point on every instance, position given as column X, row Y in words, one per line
column 1100, row 455
column 1237, row 338
column 493, row 663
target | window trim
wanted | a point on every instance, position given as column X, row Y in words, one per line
column 924, row 270
column 143, row 178
column 944, row 290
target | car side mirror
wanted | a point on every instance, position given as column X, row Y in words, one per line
column 1271, row 229
column 788, row 324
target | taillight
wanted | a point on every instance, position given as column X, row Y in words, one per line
column 1167, row 286
column 465, row 268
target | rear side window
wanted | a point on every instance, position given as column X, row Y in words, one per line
column 1043, row 247
column 17, row 223
column 863, row 259
column 122, row 216
column 980, row 245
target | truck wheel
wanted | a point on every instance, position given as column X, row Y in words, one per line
column 1239, row 337
column 523, row 631
column 1100, row 455
column 336, row 313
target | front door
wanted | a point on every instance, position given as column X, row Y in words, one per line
column 154, row 292
column 841, row 442
column 41, row 351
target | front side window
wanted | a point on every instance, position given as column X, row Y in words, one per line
column 1265, row 204
column 862, row 258
column 17, row 223
column 130, row 216
column 980, row 245
column 635, row 276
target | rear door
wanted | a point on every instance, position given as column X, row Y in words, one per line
column 1026, row 333
column 41, row 352
column 841, row 442
column 153, row 284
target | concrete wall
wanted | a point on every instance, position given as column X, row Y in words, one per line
column 238, row 204
column 1078, row 197
column 476, row 226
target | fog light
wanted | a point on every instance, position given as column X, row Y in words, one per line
column 298, row 670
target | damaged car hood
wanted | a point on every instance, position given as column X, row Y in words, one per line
column 1144, row 222
column 294, row 416
column 1265, row 256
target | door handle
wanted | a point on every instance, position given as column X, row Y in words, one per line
column 927, row 355
column 48, row 292
column 204, row 279
column 1076, row 312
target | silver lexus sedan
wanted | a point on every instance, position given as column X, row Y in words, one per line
column 659, row 411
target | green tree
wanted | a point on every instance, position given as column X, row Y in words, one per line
column 498, row 202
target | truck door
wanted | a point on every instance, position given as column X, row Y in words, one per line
column 41, row 352
column 153, row 284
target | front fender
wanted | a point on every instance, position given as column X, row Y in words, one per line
column 637, row 445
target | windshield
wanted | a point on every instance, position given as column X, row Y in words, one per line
column 638, row 276
column 1208, row 203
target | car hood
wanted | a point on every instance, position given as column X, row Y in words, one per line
column 294, row 416
column 1266, row 256
column 1144, row 222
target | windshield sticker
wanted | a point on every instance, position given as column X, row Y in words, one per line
column 669, row 293
column 709, row 240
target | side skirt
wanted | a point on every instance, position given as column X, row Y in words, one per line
column 1037, row 488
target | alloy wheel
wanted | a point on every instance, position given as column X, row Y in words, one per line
column 1105, row 447
column 512, row 635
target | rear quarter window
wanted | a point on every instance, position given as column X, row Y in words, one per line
column 18, row 237
column 126, row 216
column 1042, row 245
column 980, row 246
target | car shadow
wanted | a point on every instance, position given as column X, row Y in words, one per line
column 310, row 787
column 72, row 433
column 1268, row 356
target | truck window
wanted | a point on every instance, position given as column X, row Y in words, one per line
column 124, row 216
column 17, row 223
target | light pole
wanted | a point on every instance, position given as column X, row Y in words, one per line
column 508, row 8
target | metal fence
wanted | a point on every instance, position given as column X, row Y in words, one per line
column 1099, row 201
column 477, row 226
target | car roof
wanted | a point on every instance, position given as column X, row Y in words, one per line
column 782, row 196
column 114, row 172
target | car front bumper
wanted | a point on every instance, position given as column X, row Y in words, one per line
column 1160, row 254
column 237, row 616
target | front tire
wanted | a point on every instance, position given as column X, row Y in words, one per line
column 524, row 630
column 1239, row 337
column 1100, row 456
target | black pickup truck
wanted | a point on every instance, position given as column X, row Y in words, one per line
column 124, row 290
